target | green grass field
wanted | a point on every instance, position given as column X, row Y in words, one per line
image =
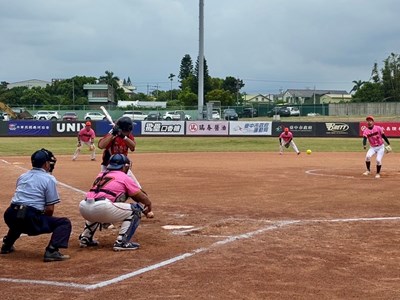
column 10, row 146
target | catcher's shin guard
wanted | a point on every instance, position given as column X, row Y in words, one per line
column 134, row 222
column 90, row 229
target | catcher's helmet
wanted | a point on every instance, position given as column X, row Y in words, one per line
column 125, row 123
column 118, row 161
column 39, row 157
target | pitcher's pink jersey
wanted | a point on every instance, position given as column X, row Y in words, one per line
column 374, row 135
column 112, row 185
column 286, row 136
column 85, row 135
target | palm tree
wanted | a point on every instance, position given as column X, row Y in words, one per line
column 357, row 85
column 111, row 81
column 171, row 77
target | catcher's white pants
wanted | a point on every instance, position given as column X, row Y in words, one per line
column 78, row 150
column 379, row 151
column 291, row 143
column 105, row 211
column 130, row 174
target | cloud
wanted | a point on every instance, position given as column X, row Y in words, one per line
column 271, row 45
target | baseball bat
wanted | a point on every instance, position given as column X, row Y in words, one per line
column 108, row 117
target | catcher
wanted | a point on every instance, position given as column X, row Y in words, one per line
column 286, row 140
column 86, row 136
column 105, row 203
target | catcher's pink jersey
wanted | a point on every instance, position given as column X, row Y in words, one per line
column 286, row 136
column 112, row 185
column 86, row 135
column 374, row 135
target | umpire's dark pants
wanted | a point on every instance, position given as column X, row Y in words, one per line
column 28, row 220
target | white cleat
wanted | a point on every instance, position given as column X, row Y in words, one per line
column 366, row 173
column 377, row 176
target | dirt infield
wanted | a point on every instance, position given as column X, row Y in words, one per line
column 265, row 226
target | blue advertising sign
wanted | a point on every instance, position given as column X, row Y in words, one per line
column 250, row 128
column 29, row 128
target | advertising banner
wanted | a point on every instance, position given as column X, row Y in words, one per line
column 29, row 128
column 68, row 128
column 163, row 128
column 101, row 128
column 297, row 128
column 391, row 129
column 337, row 129
column 207, row 127
column 250, row 128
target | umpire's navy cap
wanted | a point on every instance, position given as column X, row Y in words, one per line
column 39, row 157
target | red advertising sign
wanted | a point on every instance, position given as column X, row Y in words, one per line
column 391, row 129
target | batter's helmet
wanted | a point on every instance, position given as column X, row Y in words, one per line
column 39, row 157
column 125, row 123
column 118, row 161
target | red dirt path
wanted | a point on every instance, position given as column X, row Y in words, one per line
column 330, row 252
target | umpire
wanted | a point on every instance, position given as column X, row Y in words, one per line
column 32, row 207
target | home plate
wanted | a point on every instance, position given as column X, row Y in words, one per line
column 172, row 227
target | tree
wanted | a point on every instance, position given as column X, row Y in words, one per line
column 207, row 79
column 232, row 84
column 357, row 85
column 187, row 97
column 391, row 77
column 224, row 96
column 111, row 81
column 384, row 86
column 186, row 68
column 171, row 77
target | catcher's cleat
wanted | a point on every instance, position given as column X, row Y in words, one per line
column 377, row 176
column 54, row 256
column 366, row 173
column 85, row 242
column 120, row 246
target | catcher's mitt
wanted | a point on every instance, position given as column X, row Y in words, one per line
column 388, row 149
column 91, row 147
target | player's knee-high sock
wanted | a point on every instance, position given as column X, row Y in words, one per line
column 368, row 164
column 378, row 168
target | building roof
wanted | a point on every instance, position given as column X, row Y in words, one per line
column 307, row 93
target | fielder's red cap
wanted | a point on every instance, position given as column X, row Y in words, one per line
column 286, row 129
column 370, row 118
column 88, row 123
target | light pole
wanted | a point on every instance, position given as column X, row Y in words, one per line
column 171, row 77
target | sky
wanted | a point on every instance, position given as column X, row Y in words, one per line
column 272, row 45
